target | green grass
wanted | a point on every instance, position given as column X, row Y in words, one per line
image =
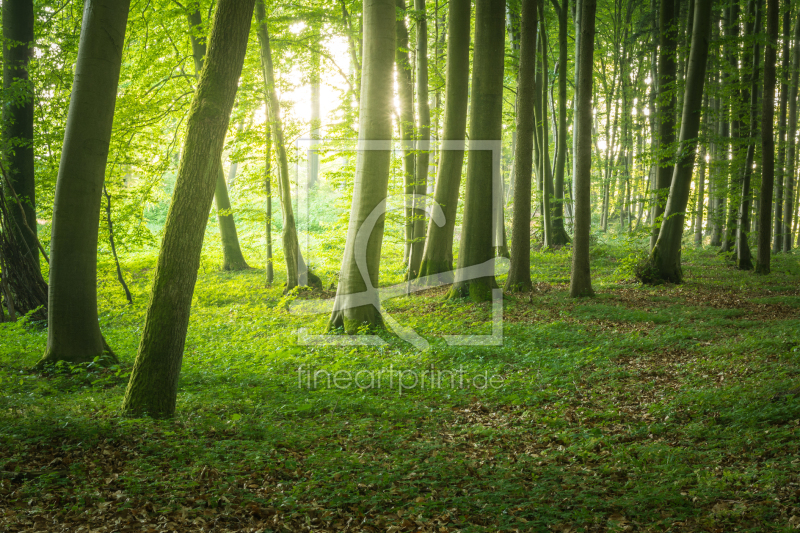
column 646, row 408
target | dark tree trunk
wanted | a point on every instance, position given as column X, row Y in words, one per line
column 153, row 386
column 781, row 167
column 581, row 280
column 73, row 332
column 788, row 205
column 560, row 236
column 486, row 121
column 519, row 274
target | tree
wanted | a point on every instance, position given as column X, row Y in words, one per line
column 437, row 257
column 486, row 120
column 519, row 274
column 788, row 206
column 405, row 90
column 782, row 163
column 73, row 332
column 581, row 279
column 297, row 272
column 18, row 40
column 372, row 170
column 767, row 142
column 667, row 91
column 423, row 135
column 560, row 236
column 153, row 385
column 665, row 257
column 232, row 258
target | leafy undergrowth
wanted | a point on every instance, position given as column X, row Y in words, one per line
column 667, row 408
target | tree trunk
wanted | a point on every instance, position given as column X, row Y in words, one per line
column 701, row 182
column 424, row 136
column 544, row 171
column 269, row 271
column 519, row 274
column 581, row 279
column 767, row 142
column 356, row 298
column 405, row 89
column 560, row 236
column 786, row 226
column 297, row 273
column 18, row 119
column 781, row 168
column 667, row 72
column 73, row 333
column 232, row 258
column 153, row 386
column 316, row 123
column 744, row 260
column 438, row 255
column 666, row 254
column 486, row 121
column 732, row 80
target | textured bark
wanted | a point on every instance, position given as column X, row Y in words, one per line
column 544, row 170
column 232, row 258
column 424, row 135
column 485, row 124
column 788, row 206
column 73, row 333
column 297, row 273
column 269, row 271
column 405, row 90
column 581, row 279
column 153, row 386
column 701, row 182
column 744, row 260
column 666, row 254
column 372, row 169
column 781, row 163
column 767, row 142
column 667, row 72
column 732, row 79
column 437, row 257
column 18, row 119
column 519, row 274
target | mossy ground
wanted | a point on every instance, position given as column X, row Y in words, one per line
column 642, row 409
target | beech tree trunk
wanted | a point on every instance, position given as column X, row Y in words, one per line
column 666, row 254
column 788, row 205
column 73, row 333
column 519, row 274
column 437, row 257
column 405, row 89
column 372, row 172
column 486, row 121
column 232, row 258
column 153, row 385
column 781, row 167
column 581, row 279
column 767, row 142
column 560, row 236
column 18, row 119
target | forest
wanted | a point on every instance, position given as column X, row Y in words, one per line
column 400, row 266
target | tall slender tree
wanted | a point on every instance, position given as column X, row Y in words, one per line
column 581, row 278
column 73, row 332
column 437, row 257
column 767, row 141
column 486, row 121
column 560, row 236
column 784, row 101
column 788, row 205
column 666, row 254
column 18, row 41
column 519, row 274
column 372, row 171
column 153, row 385
column 405, row 90
column 232, row 257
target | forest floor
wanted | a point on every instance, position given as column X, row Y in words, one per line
column 643, row 409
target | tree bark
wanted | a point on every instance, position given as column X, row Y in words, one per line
column 788, row 206
column 560, row 236
column 297, row 273
column 153, row 385
column 18, row 119
column 437, row 257
column 232, row 258
column 405, row 90
column 372, row 173
column 73, row 333
column 269, row 271
column 767, row 142
column 519, row 274
column 581, row 279
column 781, row 167
column 424, row 136
column 667, row 92
column 732, row 80
column 666, row 254
column 486, row 121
